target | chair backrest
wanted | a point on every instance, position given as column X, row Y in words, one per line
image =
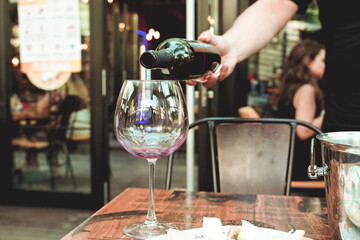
column 253, row 158
column 250, row 155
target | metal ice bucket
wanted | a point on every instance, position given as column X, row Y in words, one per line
column 340, row 153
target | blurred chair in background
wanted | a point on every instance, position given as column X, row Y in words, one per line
column 66, row 126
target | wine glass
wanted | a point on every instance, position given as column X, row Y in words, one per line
column 150, row 122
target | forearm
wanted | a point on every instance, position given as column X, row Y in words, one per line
column 305, row 133
column 258, row 24
column 317, row 122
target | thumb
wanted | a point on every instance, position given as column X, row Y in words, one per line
column 208, row 37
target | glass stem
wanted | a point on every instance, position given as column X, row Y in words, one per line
column 151, row 216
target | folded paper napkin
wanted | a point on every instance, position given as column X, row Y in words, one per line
column 213, row 230
column 249, row 231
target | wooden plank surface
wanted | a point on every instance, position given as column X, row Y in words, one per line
column 187, row 210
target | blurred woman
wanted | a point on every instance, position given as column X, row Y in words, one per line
column 300, row 97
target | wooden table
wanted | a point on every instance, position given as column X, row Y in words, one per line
column 187, row 210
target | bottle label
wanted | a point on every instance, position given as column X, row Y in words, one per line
column 165, row 71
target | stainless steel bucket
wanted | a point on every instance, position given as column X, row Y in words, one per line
column 340, row 153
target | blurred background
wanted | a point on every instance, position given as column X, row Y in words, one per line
column 69, row 59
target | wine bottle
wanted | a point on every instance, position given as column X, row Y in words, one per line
column 179, row 59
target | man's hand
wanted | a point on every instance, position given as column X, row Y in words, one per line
column 228, row 57
column 251, row 32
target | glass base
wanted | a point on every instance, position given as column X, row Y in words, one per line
column 140, row 230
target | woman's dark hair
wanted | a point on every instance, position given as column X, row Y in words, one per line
column 296, row 72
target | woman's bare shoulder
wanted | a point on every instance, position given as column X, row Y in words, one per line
column 305, row 92
column 306, row 89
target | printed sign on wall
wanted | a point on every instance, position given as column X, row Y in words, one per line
column 50, row 35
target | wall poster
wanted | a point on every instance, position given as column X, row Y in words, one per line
column 50, row 40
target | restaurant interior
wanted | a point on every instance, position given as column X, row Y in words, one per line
column 55, row 174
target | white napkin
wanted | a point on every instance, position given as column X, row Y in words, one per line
column 249, row 231
column 213, row 230
column 179, row 235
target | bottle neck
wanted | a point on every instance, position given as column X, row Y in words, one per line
column 156, row 59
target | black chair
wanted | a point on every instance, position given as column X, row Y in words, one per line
column 250, row 155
